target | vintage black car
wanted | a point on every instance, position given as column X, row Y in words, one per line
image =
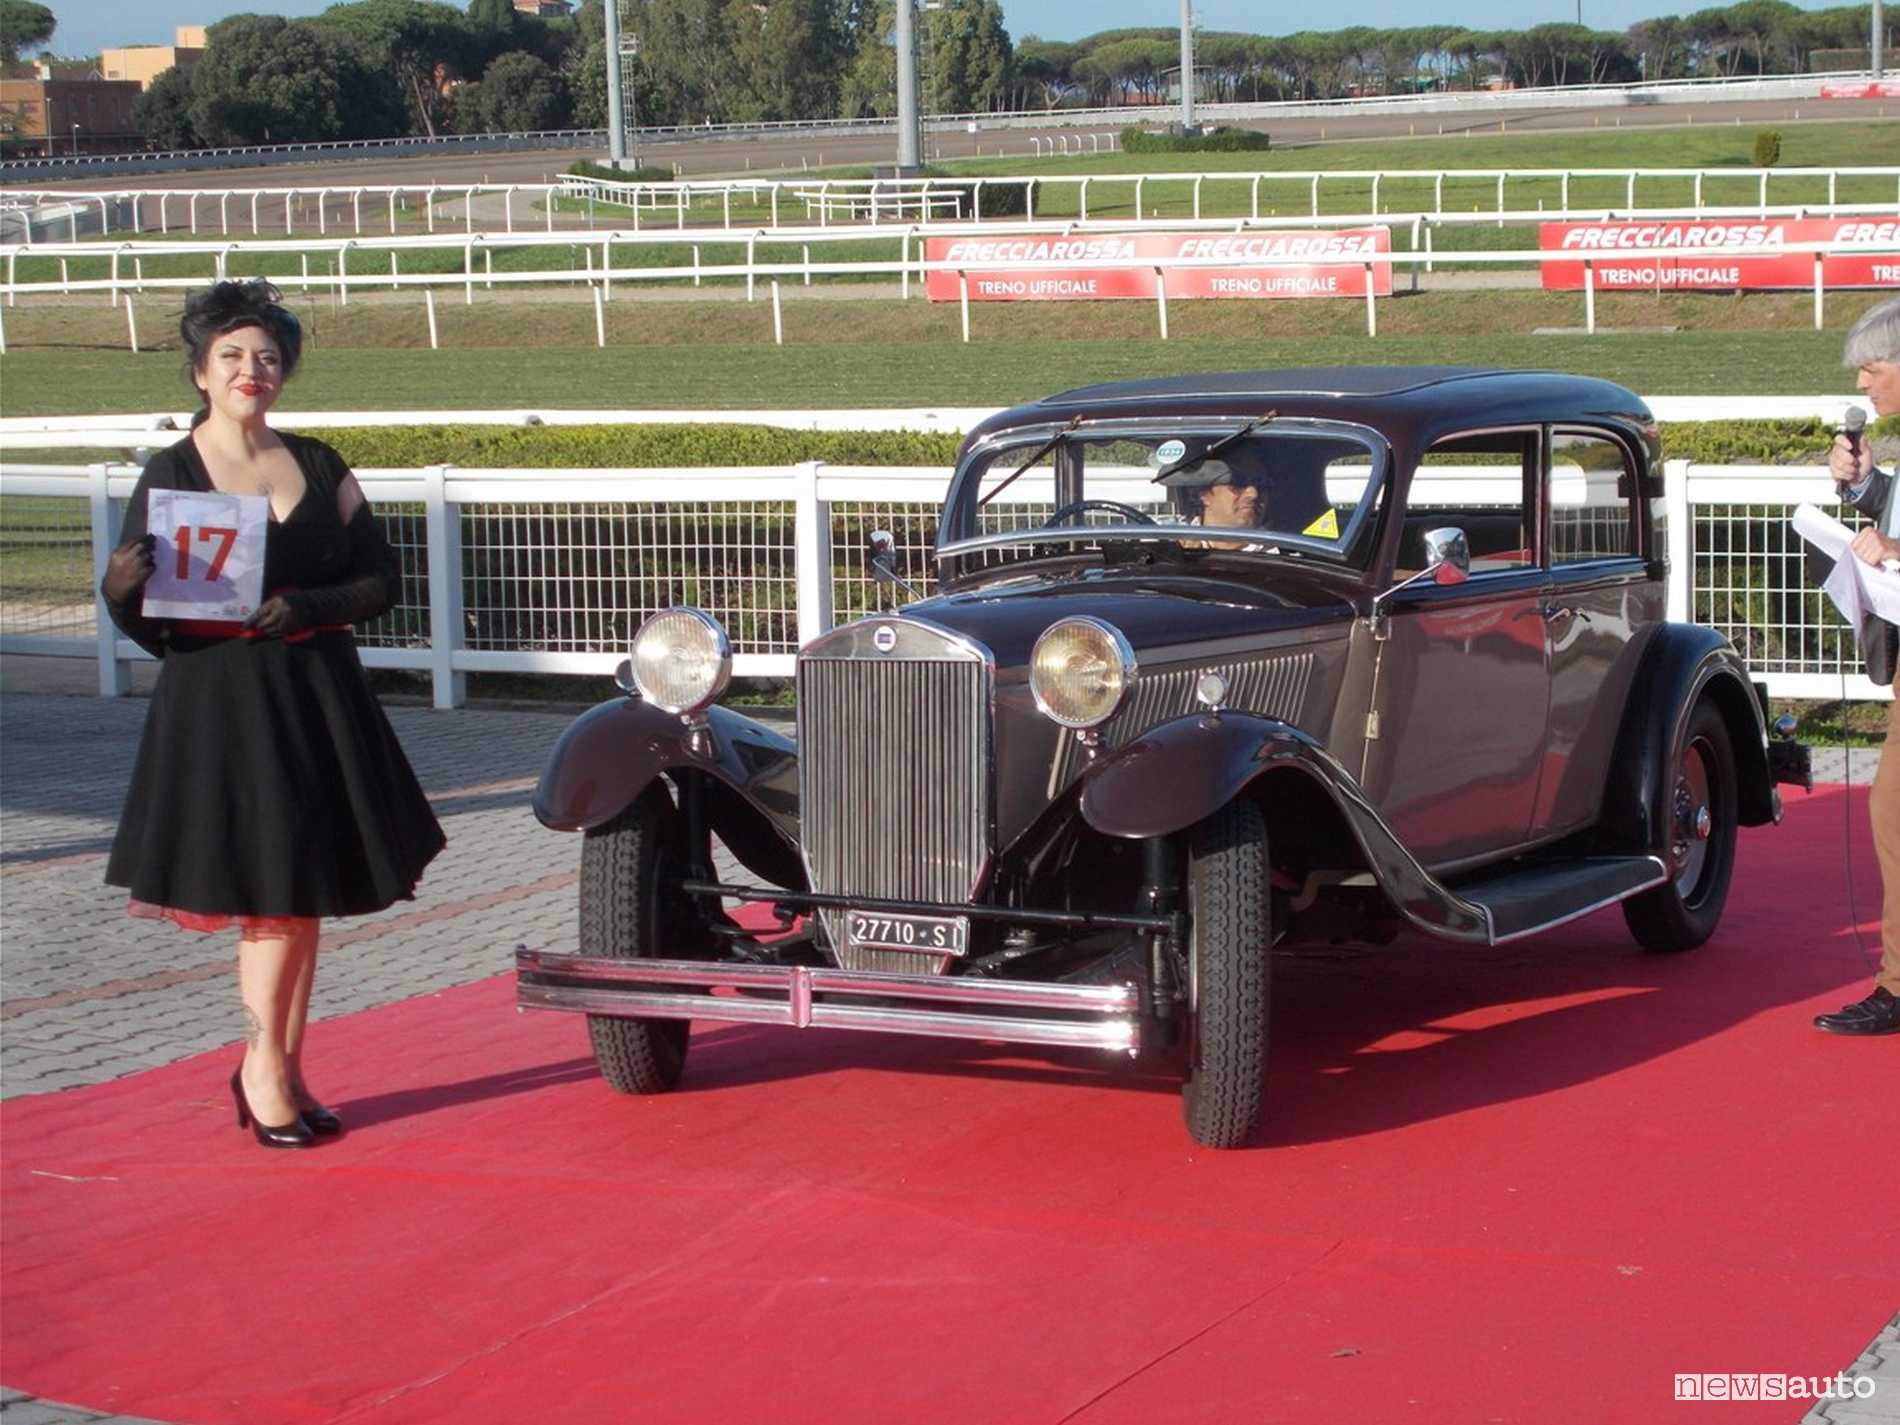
column 1216, row 664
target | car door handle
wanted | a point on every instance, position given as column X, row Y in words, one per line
column 1555, row 614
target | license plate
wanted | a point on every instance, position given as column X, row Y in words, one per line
column 925, row 934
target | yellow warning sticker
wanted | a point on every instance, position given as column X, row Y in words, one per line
column 1326, row 526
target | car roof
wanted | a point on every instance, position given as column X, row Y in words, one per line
column 1310, row 381
column 1411, row 405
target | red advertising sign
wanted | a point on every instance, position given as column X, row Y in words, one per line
column 1651, row 264
column 1865, row 89
column 1054, row 267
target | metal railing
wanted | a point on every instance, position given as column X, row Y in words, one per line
column 540, row 571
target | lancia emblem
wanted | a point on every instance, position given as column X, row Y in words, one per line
column 884, row 638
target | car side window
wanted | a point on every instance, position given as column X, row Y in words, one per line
column 1480, row 483
column 1591, row 499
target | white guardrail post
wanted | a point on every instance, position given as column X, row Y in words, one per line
column 115, row 674
column 811, row 545
column 1681, row 537
column 444, row 539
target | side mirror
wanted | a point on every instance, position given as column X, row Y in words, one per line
column 1447, row 562
column 1448, row 555
column 880, row 556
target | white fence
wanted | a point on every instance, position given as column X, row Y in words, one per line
column 150, row 429
column 772, row 202
column 126, row 274
column 538, row 571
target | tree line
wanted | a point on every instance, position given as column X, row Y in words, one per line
column 378, row 68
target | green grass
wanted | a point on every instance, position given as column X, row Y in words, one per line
column 998, row 370
column 45, row 550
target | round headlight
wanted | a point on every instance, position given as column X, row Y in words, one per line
column 681, row 660
column 1080, row 671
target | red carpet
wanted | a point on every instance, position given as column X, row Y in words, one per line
column 1527, row 1184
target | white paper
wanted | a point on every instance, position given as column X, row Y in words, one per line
column 210, row 555
column 1858, row 589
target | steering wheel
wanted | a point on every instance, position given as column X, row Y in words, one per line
column 1077, row 507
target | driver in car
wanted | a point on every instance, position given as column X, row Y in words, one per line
column 1213, row 494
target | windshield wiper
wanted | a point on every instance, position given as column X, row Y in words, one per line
column 1041, row 450
column 1187, row 461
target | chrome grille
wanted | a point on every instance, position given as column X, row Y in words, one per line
column 894, row 782
column 1272, row 687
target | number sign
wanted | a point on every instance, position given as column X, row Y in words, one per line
column 210, row 555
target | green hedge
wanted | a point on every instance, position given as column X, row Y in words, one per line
column 661, row 446
column 646, row 173
column 1220, row 140
column 630, row 447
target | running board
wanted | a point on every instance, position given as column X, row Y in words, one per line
column 1531, row 899
column 1077, row 1016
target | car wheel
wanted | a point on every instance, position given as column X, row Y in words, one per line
column 631, row 909
column 1230, row 901
column 1700, row 853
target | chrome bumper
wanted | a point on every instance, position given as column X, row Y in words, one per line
column 1012, row 1011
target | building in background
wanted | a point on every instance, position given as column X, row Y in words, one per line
column 144, row 63
column 46, row 116
column 546, row 9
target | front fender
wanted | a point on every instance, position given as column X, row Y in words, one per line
column 1684, row 663
column 1179, row 772
column 612, row 752
column 1175, row 774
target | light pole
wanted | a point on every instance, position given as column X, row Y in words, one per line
column 1187, row 64
column 909, row 125
column 1879, row 40
column 616, row 100
column 75, row 141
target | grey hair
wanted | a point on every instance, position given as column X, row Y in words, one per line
column 1875, row 337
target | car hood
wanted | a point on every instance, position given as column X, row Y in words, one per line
column 1153, row 611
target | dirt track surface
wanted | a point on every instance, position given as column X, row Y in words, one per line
column 722, row 157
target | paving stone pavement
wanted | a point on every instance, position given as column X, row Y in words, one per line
column 88, row 994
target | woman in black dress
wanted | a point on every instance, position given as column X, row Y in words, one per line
column 269, row 789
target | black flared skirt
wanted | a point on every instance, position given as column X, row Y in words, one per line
column 269, row 783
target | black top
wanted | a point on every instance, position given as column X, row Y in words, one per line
column 330, row 580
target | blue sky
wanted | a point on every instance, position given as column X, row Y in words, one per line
column 86, row 26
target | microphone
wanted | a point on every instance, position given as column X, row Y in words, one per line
column 1853, row 422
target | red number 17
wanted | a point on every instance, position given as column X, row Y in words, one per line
column 225, row 536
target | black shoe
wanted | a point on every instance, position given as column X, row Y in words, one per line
column 294, row 1134
column 1879, row 1013
column 320, row 1121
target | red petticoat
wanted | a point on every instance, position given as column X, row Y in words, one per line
column 250, row 927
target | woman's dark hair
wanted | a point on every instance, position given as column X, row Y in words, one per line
column 225, row 307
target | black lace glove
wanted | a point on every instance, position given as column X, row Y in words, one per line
column 128, row 569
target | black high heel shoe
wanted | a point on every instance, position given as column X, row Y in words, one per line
column 294, row 1134
column 320, row 1121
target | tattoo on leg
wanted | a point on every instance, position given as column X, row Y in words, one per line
column 253, row 1028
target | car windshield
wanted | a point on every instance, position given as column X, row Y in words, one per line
column 1265, row 487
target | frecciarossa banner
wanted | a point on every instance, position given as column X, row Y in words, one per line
column 1069, row 267
column 1710, row 269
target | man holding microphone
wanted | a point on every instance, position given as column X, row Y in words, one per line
column 1873, row 347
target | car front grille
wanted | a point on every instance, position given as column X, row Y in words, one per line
column 894, row 775
column 1272, row 687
